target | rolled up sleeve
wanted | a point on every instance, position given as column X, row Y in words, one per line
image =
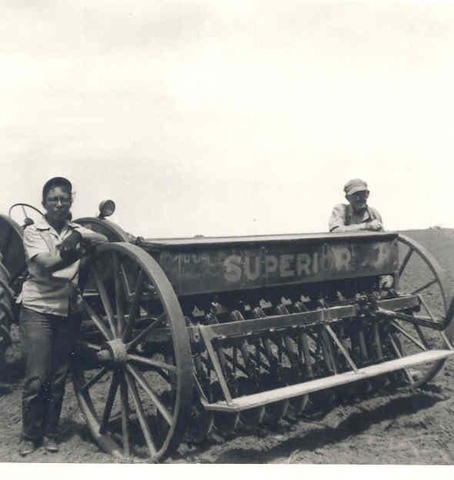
column 337, row 218
column 34, row 243
column 379, row 218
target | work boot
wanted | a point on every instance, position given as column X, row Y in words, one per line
column 51, row 445
column 26, row 447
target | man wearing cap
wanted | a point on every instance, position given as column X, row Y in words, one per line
column 356, row 215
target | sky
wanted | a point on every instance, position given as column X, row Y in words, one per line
column 230, row 117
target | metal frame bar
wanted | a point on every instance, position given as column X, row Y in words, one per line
column 299, row 319
column 415, row 320
column 291, row 391
column 408, row 335
column 341, row 348
column 322, row 318
column 208, row 337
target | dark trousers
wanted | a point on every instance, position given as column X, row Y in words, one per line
column 47, row 341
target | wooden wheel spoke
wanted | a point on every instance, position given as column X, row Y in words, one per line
column 109, row 403
column 153, row 363
column 145, row 332
column 93, row 380
column 105, row 301
column 135, row 306
column 405, row 261
column 119, row 306
column 96, row 320
column 125, row 416
column 89, row 346
column 87, row 353
column 141, row 380
column 141, row 414
column 428, row 310
column 126, row 288
column 427, row 285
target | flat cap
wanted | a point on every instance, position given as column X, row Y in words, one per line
column 355, row 185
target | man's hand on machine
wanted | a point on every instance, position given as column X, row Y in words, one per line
column 72, row 248
column 88, row 249
column 75, row 247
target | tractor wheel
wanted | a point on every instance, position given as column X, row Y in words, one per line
column 132, row 368
column 12, row 254
column 6, row 313
column 12, row 274
column 112, row 231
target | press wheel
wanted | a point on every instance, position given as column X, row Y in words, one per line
column 419, row 273
column 132, row 369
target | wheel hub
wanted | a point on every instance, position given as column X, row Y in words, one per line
column 114, row 352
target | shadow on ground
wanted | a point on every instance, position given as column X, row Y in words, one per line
column 356, row 423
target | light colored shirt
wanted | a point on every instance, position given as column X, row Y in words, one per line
column 44, row 291
column 343, row 215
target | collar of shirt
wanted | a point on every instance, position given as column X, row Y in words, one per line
column 359, row 217
column 43, row 225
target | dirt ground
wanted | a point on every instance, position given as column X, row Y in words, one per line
column 395, row 427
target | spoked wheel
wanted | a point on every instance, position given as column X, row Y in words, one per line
column 132, row 369
column 25, row 214
column 419, row 274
